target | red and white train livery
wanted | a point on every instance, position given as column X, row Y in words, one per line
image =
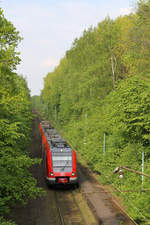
column 58, row 157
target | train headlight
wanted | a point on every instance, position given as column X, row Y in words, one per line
column 51, row 174
column 73, row 174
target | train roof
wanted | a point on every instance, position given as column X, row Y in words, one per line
column 58, row 144
column 46, row 124
column 58, row 140
column 51, row 136
column 51, row 131
column 61, row 151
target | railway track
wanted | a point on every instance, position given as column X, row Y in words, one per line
column 68, row 208
column 77, row 205
column 59, row 210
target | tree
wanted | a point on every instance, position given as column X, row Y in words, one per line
column 16, row 182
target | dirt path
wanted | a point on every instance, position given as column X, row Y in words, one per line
column 44, row 211
column 106, row 210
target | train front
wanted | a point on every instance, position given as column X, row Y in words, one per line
column 64, row 170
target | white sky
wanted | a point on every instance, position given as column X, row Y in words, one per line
column 50, row 26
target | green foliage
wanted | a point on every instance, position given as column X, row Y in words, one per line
column 9, row 39
column 130, row 115
column 16, row 182
column 39, row 107
column 4, row 222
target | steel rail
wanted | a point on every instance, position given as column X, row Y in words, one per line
column 59, row 210
column 81, row 214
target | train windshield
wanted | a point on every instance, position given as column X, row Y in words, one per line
column 62, row 160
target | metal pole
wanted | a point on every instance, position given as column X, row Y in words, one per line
column 104, row 143
column 55, row 113
column 142, row 167
column 47, row 111
column 85, row 118
column 85, row 136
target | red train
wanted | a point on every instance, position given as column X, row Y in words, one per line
column 58, row 157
